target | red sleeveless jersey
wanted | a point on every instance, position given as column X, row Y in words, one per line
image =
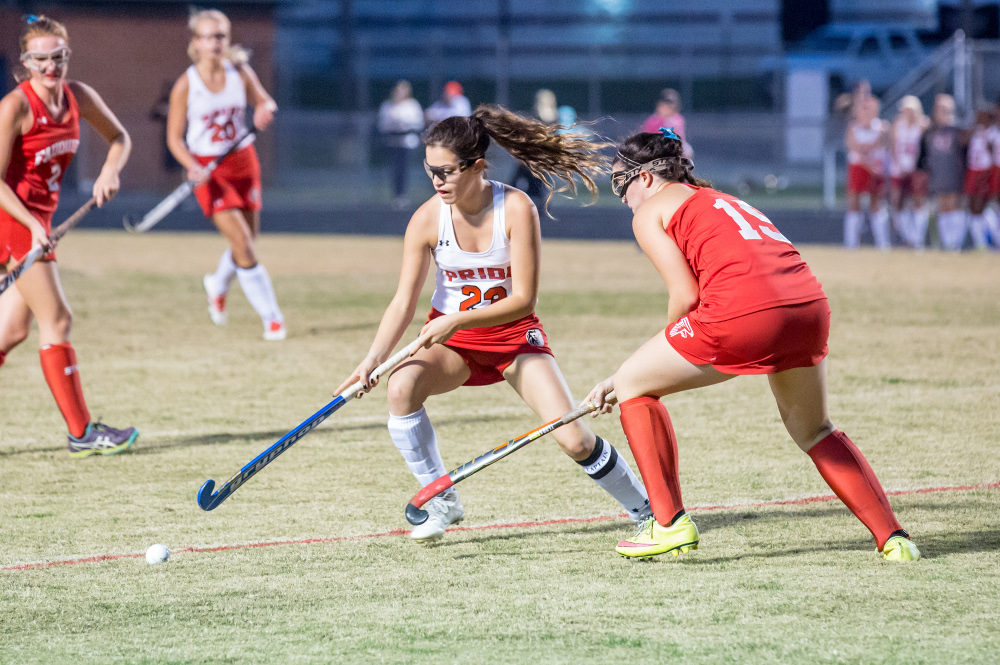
column 39, row 157
column 743, row 264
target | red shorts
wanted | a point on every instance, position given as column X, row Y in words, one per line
column 977, row 183
column 995, row 181
column 764, row 342
column 235, row 183
column 15, row 238
column 910, row 184
column 862, row 181
column 490, row 350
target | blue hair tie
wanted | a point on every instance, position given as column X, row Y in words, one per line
column 31, row 18
column 669, row 133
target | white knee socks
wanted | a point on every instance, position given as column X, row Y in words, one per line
column 614, row 476
column 224, row 273
column 853, row 222
column 256, row 284
column 415, row 439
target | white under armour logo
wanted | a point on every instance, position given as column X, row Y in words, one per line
column 682, row 328
column 69, row 369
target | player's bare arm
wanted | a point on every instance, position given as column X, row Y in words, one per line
column 94, row 110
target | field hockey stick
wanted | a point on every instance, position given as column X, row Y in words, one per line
column 414, row 512
column 208, row 500
column 37, row 252
column 174, row 198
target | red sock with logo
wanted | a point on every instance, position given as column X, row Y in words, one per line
column 59, row 368
column 847, row 472
column 654, row 446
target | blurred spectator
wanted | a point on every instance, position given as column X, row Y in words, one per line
column 979, row 166
column 451, row 103
column 546, row 110
column 907, row 186
column 400, row 120
column 994, row 136
column 942, row 157
column 668, row 114
column 867, row 143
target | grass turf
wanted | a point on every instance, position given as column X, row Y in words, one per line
column 912, row 380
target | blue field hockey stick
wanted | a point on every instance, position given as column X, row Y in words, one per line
column 37, row 252
column 208, row 500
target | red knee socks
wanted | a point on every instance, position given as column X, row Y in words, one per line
column 59, row 368
column 654, row 446
column 850, row 476
column 3, row 356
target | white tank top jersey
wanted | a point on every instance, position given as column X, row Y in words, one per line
column 905, row 149
column 215, row 119
column 868, row 135
column 979, row 156
column 470, row 280
column 993, row 133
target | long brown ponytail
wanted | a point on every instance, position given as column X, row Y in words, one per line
column 550, row 155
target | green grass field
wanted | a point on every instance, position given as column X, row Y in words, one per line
column 307, row 563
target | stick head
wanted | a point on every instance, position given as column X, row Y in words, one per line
column 205, row 497
column 415, row 515
column 129, row 221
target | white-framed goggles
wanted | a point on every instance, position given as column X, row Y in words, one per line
column 36, row 60
column 621, row 179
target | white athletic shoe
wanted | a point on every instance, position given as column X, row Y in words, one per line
column 216, row 302
column 441, row 511
column 275, row 331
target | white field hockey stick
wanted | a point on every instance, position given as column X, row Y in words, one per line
column 37, row 252
column 174, row 198
column 414, row 512
column 208, row 500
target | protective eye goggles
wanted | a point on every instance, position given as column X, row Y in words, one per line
column 36, row 59
column 444, row 172
column 620, row 179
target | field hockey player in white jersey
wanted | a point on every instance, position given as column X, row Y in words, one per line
column 207, row 114
column 484, row 238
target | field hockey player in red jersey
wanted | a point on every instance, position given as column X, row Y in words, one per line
column 207, row 113
column 39, row 133
column 484, row 238
column 742, row 301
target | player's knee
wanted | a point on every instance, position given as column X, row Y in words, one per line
column 60, row 325
column 401, row 394
column 806, row 438
column 13, row 335
column 578, row 445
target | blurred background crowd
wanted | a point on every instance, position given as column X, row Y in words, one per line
column 764, row 93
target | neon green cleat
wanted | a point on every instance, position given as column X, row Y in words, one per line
column 652, row 538
column 900, row 548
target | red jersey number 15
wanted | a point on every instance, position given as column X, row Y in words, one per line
column 747, row 230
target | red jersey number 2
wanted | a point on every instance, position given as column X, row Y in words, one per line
column 747, row 230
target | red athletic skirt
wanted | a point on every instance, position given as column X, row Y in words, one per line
column 15, row 238
column 488, row 351
column 977, row 183
column 235, row 183
column 862, row 181
column 764, row 342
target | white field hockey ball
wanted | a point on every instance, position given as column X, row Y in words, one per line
column 157, row 553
